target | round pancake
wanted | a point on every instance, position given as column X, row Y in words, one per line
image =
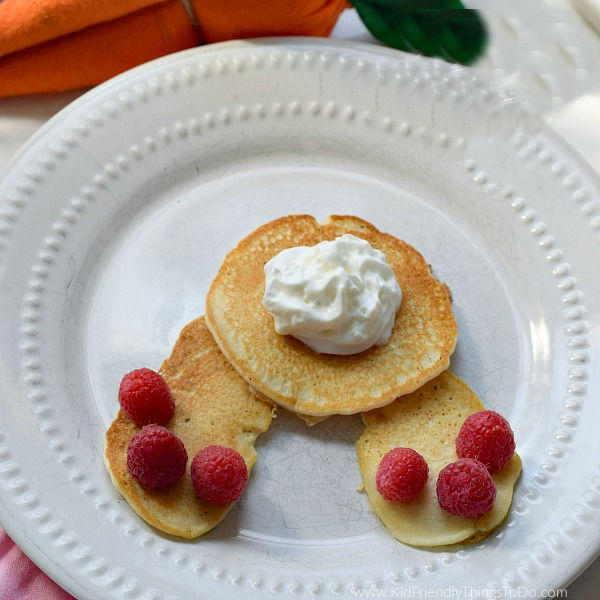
column 213, row 405
column 428, row 421
column 289, row 372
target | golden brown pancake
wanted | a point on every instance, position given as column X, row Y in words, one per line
column 213, row 405
column 289, row 372
column 428, row 421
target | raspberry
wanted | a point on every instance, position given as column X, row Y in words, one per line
column 465, row 488
column 219, row 474
column 401, row 475
column 145, row 397
column 487, row 437
column 156, row 457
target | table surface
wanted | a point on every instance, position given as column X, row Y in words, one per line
column 566, row 94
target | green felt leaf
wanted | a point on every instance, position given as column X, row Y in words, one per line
column 443, row 28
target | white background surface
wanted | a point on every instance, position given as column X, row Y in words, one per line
column 574, row 113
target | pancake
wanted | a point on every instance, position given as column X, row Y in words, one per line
column 428, row 421
column 213, row 405
column 289, row 372
column 310, row 420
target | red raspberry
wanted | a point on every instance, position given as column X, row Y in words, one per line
column 401, row 475
column 465, row 488
column 156, row 457
column 487, row 437
column 219, row 474
column 145, row 397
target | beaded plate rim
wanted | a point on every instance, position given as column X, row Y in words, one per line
column 573, row 314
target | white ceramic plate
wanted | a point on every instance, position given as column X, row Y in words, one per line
column 116, row 217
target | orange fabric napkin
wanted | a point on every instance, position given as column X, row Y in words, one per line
column 54, row 45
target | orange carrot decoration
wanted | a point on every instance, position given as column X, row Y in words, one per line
column 53, row 45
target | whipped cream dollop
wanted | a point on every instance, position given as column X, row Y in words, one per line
column 338, row 297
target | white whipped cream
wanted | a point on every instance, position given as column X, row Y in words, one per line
column 337, row 297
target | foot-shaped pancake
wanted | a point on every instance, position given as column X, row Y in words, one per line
column 428, row 421
column 213, row 405
column 289, row 372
